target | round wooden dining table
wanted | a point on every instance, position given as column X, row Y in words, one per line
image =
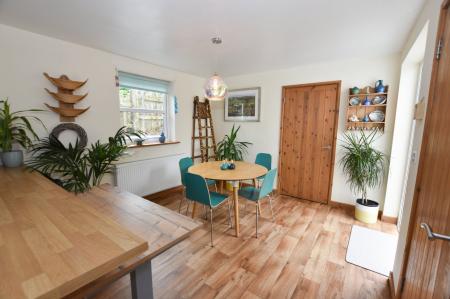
column 242, row 171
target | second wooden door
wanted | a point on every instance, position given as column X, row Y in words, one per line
column 427, row 267
column 308, row 137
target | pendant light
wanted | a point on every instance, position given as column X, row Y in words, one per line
column 215, row 87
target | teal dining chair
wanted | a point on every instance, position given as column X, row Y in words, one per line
column 255, row 194
column 197, row 190
column 265, row 160
column 184, row 165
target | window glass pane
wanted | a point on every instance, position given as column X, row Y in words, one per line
column 149, row 123
column 141, row 99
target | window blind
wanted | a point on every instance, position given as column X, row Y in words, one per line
column 145, row 83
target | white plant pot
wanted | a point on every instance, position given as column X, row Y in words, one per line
column 12, row 158
column 366, row 213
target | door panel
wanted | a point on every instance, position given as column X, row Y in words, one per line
column 427, row 272
column 307, row 143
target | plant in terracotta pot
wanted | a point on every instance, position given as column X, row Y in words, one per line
column 364, row 167
column 15, row 127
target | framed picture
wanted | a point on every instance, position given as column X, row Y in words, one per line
column 243, row 104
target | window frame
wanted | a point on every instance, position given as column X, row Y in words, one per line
column 165, row 110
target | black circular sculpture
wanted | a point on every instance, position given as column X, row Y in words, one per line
column 82, row 136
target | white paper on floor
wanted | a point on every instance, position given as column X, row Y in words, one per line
column 371, row 249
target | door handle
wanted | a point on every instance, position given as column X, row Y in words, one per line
column 433, row 236
column 327, row 147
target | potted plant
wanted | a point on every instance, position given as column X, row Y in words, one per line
column 74, row 167
column 230, row 149
column 364, row 167
column 15, row 127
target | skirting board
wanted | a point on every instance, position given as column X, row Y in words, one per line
column 389, row 219
column 351, row 207
column 158, row 196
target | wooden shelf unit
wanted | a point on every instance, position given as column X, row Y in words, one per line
column 361, row 110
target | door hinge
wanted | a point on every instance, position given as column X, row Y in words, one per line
column 439, row 49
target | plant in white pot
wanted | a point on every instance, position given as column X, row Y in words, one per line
column 364, row 167
column 15, row 127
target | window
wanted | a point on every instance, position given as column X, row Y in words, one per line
column 143, row 104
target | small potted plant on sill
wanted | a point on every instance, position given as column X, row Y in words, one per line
column 364, row 167
column 15, row 127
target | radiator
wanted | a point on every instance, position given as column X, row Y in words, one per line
column 149, row 176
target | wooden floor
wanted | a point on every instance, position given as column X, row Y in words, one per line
column 299, row 255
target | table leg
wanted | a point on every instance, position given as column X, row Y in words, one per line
column 141, row 281
column 221, row 183
column 236, row 206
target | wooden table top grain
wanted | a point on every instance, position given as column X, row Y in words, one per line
column 161, row 227
column 243, row 171
column 51, row 242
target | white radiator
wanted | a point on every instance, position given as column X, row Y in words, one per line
column 149, row 176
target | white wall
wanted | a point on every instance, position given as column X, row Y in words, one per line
column 430, row 14
column 401, row 140
column 265, row 134
column 24, row 56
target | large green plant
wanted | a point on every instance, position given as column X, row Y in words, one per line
column 230, row 148
column 16, row 127
column 75, row 168
column 363, row 165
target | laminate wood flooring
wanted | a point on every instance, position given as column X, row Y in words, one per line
column 299, row 255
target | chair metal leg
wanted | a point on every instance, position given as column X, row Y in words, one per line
column 187, row 208
column 211, row 221
column 271, row 209
column 181, row 200
column 204, row 212
column 229, row 213
column 257, row 211
column 179, row 207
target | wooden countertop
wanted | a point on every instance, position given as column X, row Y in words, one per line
column 51, row 242
column 161, row 227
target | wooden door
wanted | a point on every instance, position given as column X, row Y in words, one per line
column 307, row 140
column 427, row 268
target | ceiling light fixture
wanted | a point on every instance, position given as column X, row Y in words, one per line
column 215, row 87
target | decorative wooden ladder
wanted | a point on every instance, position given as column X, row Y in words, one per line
column 203, row 120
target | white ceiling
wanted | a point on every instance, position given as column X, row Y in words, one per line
column 257, row 35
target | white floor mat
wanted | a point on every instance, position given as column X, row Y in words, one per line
column 371, row 249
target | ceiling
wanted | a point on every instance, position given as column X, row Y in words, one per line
column 257, row 35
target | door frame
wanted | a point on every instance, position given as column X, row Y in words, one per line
column 431, row 93
column 336, row 122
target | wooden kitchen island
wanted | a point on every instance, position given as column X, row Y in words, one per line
column 54, row 244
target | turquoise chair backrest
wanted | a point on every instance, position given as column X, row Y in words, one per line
column 197, row 188
column 264, row 159
column 267, row 185
column 184, row 165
